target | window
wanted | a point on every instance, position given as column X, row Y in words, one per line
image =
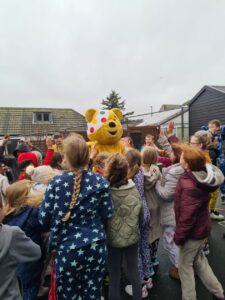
column 42, row 117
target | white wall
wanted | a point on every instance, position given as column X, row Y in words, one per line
column 178, row 126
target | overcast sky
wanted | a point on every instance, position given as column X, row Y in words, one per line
column 71, row 53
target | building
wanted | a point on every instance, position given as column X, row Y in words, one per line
column 153, row 121
column 37, row 123
column 207, row 104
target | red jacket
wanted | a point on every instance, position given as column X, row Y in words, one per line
column 48, row 157
column 191, row 209
column 27, row 156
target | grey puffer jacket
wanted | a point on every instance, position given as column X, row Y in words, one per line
column 15, row 248
column 166, row 188
column 123, row 227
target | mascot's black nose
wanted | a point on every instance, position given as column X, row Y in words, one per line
column 112, row 124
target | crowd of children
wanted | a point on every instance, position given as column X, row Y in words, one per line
column 97, row 215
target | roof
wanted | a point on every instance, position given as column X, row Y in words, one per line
column 213, row 88
column 161, row 117
column 19, row 121
column 165, row 107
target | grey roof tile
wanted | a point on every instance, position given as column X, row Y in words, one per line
column 18, row 121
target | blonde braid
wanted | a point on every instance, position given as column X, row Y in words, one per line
column 76, row 192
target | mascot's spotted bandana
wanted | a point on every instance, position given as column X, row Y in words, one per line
column 99, row 118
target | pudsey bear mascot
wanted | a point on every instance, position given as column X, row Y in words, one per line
column 105, row 129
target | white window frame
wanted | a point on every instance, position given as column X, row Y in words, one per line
column 35, row 121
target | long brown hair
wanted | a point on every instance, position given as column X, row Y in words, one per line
column 148, row 157
column 77, row 155
column 133, row 157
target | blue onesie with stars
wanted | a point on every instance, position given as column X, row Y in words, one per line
column 80, row 243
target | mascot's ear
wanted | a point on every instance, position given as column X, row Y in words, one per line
column 118, row 113
column 89, row 114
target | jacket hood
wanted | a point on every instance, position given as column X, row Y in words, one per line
column 5, row 241
column 151, row 176
column 212, row 177
column 130, row 185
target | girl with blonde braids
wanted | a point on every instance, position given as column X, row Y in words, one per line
column 75, row 208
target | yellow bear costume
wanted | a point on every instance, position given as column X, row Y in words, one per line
column 104, row 127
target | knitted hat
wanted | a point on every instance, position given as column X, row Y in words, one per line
column 41, row 174
column 39, row 157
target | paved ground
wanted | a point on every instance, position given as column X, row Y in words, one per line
column 168, row 289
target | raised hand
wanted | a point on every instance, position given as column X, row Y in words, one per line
column 170, row 128
column 49, row 142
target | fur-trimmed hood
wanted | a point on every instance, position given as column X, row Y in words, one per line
column 212, row 177
column 151, row 176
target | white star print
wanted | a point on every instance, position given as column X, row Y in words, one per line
column 77, row 235
column 74, row 263
column 49, row 187
column 72, row 247
column 43, row 214
column 80, row 252
column 93, row 246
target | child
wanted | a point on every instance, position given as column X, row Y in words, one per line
column 128, row 143
column 40, row 176
column 151, row 176
column 166, row 188
column 15, row 248
column 193, row 221
column 4, row 183
column 123, row 228
column 214, row 130
column 75, row 209
column 23, row 212
column 99, row 162
column 135, row 173
column 201, row 139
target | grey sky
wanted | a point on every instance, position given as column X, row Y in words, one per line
column 71, row 53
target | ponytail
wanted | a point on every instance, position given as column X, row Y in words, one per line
column 76, row 192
